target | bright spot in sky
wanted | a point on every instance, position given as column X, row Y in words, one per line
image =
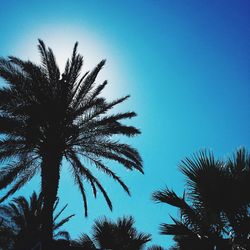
column 62, row 39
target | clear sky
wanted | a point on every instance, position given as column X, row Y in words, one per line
column 186, row 66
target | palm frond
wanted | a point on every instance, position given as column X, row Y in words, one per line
column 170, row 197
column 130, row 165
column 20, row 182
column 82, row 190
column 62, row 234
column 88, row 175
column 62, row 222
column 12, row 171
column 92, row 96
column 61, row 210
column 123, row 149
column 103, row 109
column 110, row 173
column 175, row 229
column 48, row 62
column 11, row 73
column 87, row 84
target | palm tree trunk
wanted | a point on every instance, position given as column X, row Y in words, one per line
column 50, row 174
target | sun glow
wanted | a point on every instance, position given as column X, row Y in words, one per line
column 62, row 39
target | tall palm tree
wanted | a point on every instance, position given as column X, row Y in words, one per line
column 22, row 219
column 120, row 235
column 46, row 116
column 215, row 204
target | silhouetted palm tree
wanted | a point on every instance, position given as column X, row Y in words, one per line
column 22, row 220
column 193, row 229
column 215, row 205
column 45, row 117
column 120, row 235
column 221, row 188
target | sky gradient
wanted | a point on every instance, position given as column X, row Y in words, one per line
column 186, row 66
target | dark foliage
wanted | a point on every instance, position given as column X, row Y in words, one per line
column 22, row 223
column 120, row 235
column 214, row 210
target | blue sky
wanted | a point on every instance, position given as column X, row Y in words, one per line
column 186, row 66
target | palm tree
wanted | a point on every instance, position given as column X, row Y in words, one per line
column 46, row 116
column 193, row 230
column 120, row 235
column 23, row 220
column 221, row 188
column 215, row 204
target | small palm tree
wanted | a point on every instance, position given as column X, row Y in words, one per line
column 215, row 204
column 46, row 116
column 120, row 235
column 23, row 220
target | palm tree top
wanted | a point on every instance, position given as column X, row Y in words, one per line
column 47, row 115
column 118, row 235
column 215, row 204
